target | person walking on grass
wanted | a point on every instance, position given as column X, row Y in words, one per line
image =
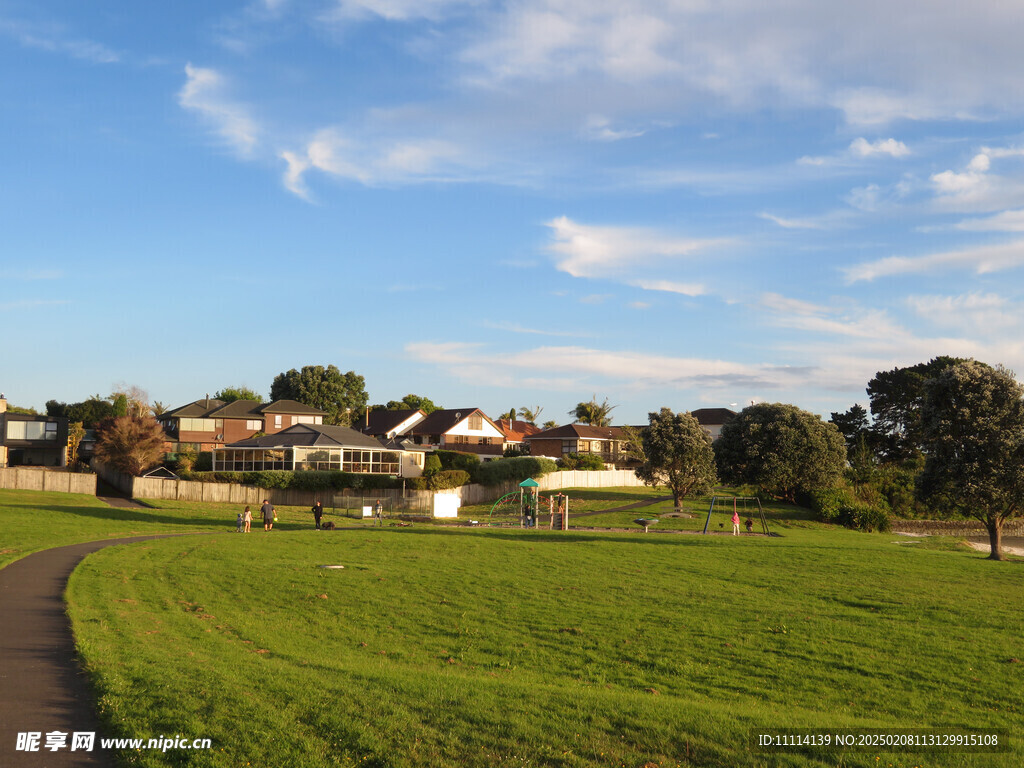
column 735, row 523
column 247, row 519
column 378, row 513
column 267, row 511
column 238, row 523
column 318, row 513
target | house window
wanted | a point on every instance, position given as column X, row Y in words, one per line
column 51, row 431
column 254, row 424
column 476, row 421
column 196, row 425
column 485, row 441
column 568, row 446
column 304, row 419
column 277, row 421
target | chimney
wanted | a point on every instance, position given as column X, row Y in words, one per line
column 3, row 403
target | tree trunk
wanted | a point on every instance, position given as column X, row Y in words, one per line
column 678, row 499
column 995, row 537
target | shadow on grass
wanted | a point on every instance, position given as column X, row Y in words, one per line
column 126, row 515
column 562, row 537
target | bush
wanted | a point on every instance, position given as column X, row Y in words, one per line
column 826, row 504
column 864, row 518
column 467, row 462
column 186, row 460
column 431, row 464
column 204, row 462
column 583, row 461
column 514, row 470
column 447, row 479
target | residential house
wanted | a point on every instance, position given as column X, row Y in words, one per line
column 610, row 443
column 387, row 425
column 309, row 447
column 29, row 440
column 208, row 423
column 515, row 433
column 713, row 419
column 458, row 429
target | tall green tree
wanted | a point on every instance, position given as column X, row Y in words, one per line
column 341, row 395
column 90, row 412
column 781, row 449
column 678, row 454
column 897, row 397
column 130, row 444
column 972, row 423
column 594, row 413
column 231, row 394
column 413, row 402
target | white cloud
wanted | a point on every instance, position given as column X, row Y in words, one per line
column 815, row 318
column 394, row 10
column 204, row 92
column 1007, row 221
column 584, row 250
column 599, row 128
column 981, row 259
column 863, row 148
column 984, row 313
column 54, row 39
column 378, row 160
column 686, row 289
column 474, row 363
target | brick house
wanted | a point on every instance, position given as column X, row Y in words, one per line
column 458, row 429
column 607, row 442
column 27, row 440
column 207, row 424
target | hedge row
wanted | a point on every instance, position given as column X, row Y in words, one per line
column 838, row 506
column 301, row 481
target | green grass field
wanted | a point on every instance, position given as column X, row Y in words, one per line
column 499, row 647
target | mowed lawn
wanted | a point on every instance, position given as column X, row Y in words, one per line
column 486, row 647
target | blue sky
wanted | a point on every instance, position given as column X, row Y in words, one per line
column 669, row 203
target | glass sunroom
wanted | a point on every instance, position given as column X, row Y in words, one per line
column 300, row 458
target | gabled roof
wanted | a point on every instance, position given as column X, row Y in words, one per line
column 584, row 431
column 291, row 406
column 208, row 408
column 311, row 435
column 516, row 431
column 197, row 409
column 239, row 409
column 384, row 422
column 443, row 421
column 713, row 416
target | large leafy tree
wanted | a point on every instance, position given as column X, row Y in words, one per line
column 781, row 449
column 231, row 394
column 594, row 413
column 677, row 454
column 412, row 402
column 130, row 444
column 897, row 397
column 341, row 395
column 90, row 412
column 972, row 423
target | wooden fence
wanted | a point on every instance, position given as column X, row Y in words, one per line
column 419, row 502
column 35, row 479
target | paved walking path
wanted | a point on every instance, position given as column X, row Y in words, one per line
column 42, row 688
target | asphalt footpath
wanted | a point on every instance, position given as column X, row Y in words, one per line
column 43, row 690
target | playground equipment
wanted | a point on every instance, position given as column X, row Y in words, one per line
column 526, row 506
column 646, row 522
column 723, row 502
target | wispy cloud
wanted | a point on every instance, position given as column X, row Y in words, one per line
column 55, row 39
column 474, row 363
column 986, row 313
column 204, row 92
column 980, row 259
column 859, row 150
column 517, row 328
column 584, row 250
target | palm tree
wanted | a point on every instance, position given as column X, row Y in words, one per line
column 594, row 413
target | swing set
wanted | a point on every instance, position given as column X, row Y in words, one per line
column 723, row 503
column 526, row 506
